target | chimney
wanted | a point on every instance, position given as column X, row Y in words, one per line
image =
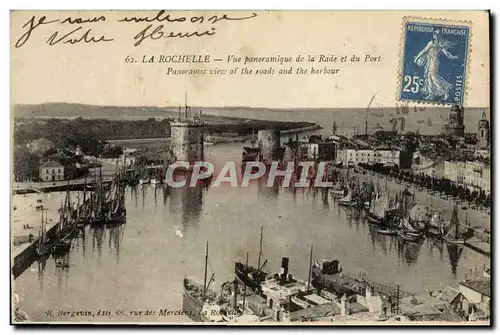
column 284, row 270
column 234, row 293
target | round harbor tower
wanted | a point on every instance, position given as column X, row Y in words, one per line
column 455, row 126
column 187, row 136
column 269, row 143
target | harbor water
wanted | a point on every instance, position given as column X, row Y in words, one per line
column 131, row 272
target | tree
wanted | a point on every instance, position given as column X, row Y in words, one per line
column 26, row 165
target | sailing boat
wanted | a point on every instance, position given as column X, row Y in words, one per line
column 43, row 248
column 250, row 276
column 418, row 217
column 156, row 180
column 196, row 295
column 436, row 226
column 63, row 236
column 407, row 232
column 116, row 212
column 97, row 216
column 145, row 179
column 381, row 205
column 338, row 190
column 454, row 235
column 348, row 200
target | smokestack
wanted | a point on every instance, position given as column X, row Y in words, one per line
column 234, row 293
column 284, row 270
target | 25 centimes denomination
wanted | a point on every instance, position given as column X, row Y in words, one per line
column 434, row 61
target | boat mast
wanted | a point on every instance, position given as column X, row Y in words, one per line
column 206, row 265
column 310, row 269
column 245, row 284
column 260, row 248
column 40, row 241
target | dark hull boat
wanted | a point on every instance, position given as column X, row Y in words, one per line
column 61, row 247
column 97, row 220
column 43, row 249
column 387, row 231
column 374, row 219
column 409, row 236
column 249, row 276
column 117, row 218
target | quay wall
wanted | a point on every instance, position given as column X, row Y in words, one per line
column 25, row 258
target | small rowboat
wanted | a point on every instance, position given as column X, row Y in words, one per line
column 387, row 231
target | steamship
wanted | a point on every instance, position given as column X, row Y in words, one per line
column 251, row 276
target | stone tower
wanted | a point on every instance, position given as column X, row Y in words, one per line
column 455, row 126
column 269, row 144
column 187, row 137
column 483, row 132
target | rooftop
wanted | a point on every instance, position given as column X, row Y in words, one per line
column 482, row 285
column 52, row 164
column 449, row 294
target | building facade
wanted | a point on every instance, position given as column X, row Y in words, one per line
column 354, row 157
column 477, row 292
column 324, row 151
column 51, row 171
column 475, row 175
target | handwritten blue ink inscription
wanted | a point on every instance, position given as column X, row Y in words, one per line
column 434, row 63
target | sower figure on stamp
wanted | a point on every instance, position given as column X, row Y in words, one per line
column 434, row 84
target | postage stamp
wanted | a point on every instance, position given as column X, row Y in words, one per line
column 434, row 62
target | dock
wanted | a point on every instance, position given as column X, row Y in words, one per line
column 26, row 222
column 55, row 186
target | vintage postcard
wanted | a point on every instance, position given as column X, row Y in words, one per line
column 250, row 167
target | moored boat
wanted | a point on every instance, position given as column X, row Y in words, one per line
column 43, row 247
column 328, row 295
column 409, row 237
column 348, row 200
column 251, row 276
column 454, row 234
column 144, row 181
column 387, row 231
column 197, row 294
column 155, row 181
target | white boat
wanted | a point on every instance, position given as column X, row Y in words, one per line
column 144, row 181
column 337, row 192
column 300, row 302
column 408, row 226
column 155, row 181
column 328, row 295
column 347, row 200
